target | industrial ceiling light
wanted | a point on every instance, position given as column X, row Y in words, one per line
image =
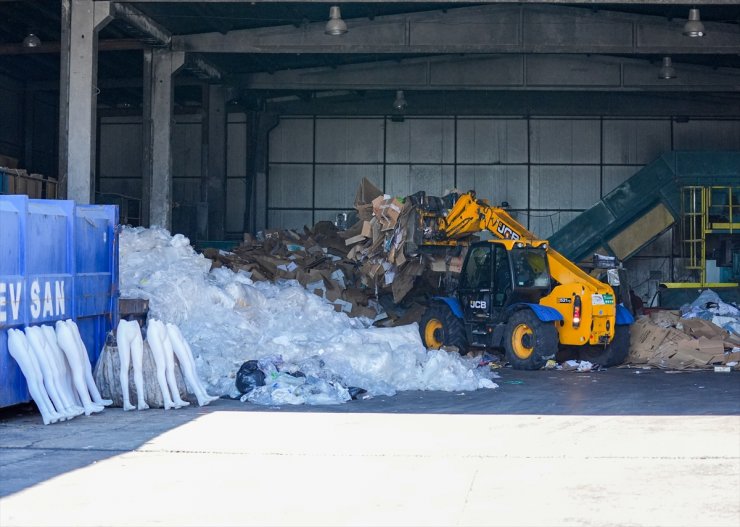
column 31, row 41
column 666, row 70
column 399, row 103
column 335, row 25
column 693, row 26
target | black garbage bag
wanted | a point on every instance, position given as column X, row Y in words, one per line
column 356, row 392
column 249, row 377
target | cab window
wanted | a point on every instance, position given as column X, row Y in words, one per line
column 530, row 268
column 477, row 273
column 502, row 276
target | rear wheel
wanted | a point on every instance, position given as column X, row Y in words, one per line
column 440, row 327
column 614, row 353
column 529, row 342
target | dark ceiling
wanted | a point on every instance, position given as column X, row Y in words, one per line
column 18, row 18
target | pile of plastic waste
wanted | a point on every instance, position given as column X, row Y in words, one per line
column 229, row 319
column 709, row 306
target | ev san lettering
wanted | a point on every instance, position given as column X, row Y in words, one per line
column 46, row 299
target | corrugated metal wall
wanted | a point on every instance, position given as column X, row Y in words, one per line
column 121, row 156
column 29, row 126
column 547, row 169
column 11, row 111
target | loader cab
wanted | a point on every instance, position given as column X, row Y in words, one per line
column 498, row 273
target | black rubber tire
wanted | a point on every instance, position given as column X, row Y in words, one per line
column 542, row 340
column 612, row 355
column 452, row 328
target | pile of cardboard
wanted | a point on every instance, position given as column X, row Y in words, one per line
column 665, row 340
column 19, row 181
column 364, row 270
column 315, row 257
column 378, row 243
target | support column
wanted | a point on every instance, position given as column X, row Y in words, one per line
column 216, row 130
column 81, row 22
column 259, row 125
column 159, row 67
column 29, row 108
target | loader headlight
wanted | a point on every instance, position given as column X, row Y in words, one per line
column 577, row 311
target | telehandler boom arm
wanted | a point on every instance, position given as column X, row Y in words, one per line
column 469, row 216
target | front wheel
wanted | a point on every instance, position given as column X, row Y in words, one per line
column 614, row 353
column 440, row 327
column 529, row 343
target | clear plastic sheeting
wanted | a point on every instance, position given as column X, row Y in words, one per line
column 709, row 306
column 229, row 319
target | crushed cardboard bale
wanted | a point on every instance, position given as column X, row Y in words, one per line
column 670, row 340
column 228, row 318
column 367, row 270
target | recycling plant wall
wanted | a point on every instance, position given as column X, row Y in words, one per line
column 548, row 169
column 121, row 156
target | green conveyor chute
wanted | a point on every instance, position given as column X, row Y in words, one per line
column 644, row 206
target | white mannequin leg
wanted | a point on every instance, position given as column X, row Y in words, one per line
column 56, row 415
column 155, row 340
column 169, row 362
column 65, row 372
column 68, row 344
column 123, row 340
column 59, row 369
column 85, row 358
column 49, row 371
column 137, row 358
column 19, row 350
column 187, row 364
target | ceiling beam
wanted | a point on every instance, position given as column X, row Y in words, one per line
column 517, row 104
column 502, row 71
column 138, row 20
column 585, row 2
column 479, row 29
column 54, row 47
column 113, row 83
column 202, row 68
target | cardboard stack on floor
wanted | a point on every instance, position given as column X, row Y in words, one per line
column 665, row 340
column 353, row 268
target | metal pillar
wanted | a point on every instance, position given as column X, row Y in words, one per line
column 81, row 22
column 159, row 67
column 29, row 107
column 216, row 130
column 259, row 125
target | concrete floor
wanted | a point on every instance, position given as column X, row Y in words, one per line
column 619, row 447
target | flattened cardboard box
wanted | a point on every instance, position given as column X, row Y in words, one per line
column 697, row 327
column 706, row 351
column 665, row 318
column 366, row 193
column 645, row 336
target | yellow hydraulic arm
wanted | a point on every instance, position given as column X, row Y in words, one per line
column 469, row 216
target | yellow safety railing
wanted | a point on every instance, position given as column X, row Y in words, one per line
column 706, row 210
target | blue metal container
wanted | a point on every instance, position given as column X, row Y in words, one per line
column 57, row 261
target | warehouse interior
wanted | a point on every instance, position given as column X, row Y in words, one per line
column 363, row 263
column 218, row 118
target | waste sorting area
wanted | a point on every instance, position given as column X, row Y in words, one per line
column 317, row 317
column 309, row 352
